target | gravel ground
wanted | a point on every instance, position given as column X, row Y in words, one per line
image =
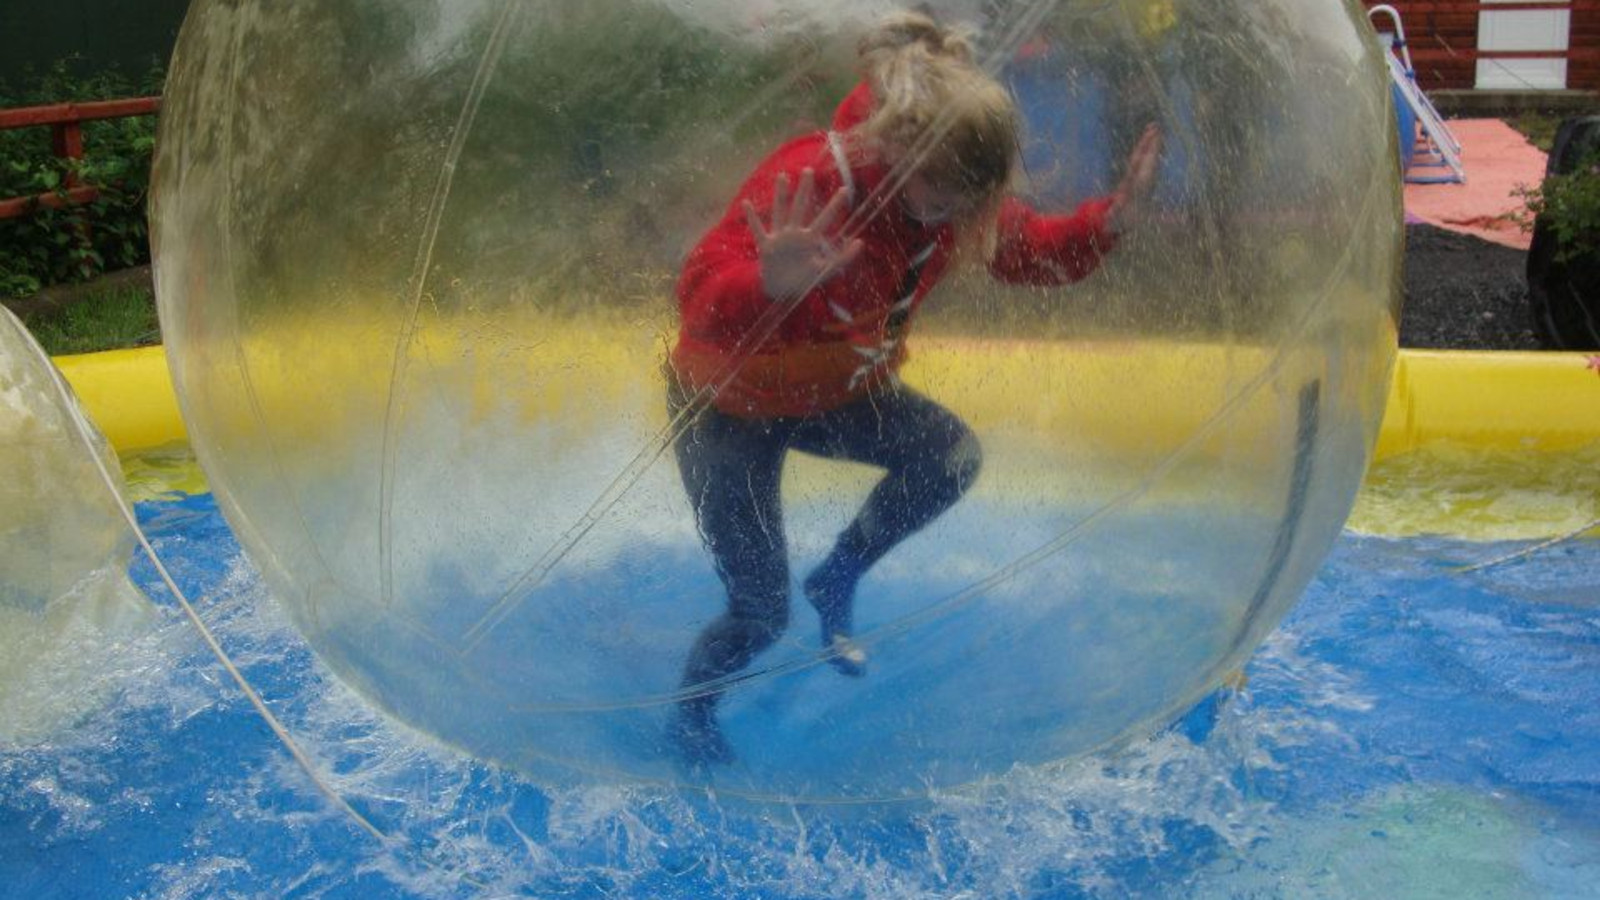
column 1464, row 293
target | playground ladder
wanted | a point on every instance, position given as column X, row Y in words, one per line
column 1438, row 148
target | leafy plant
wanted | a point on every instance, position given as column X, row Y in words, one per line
column 1569, row 206
column 75, row 243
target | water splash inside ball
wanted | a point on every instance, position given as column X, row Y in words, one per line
column 417, row 266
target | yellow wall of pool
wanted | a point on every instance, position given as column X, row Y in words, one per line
column 1535, row 402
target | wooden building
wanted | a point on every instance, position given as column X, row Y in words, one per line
column 1511, row 45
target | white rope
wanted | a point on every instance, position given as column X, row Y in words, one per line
column 1529, row 551
column 86, row 435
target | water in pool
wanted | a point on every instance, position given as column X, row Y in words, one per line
column 1411, row 730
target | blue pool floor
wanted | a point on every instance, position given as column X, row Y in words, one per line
column 1409, row 731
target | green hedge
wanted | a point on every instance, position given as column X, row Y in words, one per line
column 53, row 246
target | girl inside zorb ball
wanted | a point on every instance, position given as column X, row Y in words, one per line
column 825, row 400
column 847, row 231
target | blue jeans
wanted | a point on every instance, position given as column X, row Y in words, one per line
column 732, row 468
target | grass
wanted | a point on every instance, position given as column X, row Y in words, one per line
column 113, row 320
column 1538, row 127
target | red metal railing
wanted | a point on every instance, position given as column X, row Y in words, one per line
column 66, row 140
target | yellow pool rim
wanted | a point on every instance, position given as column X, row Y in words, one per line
column 1534, row 402
column 128, row 394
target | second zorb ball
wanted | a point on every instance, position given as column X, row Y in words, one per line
column 68, row 611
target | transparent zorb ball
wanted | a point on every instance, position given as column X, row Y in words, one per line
column 416, row 272
column 67, row 607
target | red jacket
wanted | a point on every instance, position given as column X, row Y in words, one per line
column 849, row 332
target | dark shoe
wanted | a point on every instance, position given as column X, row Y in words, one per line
column 697, row 740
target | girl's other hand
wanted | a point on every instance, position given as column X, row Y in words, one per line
column 1137, row 179
column 796, row 249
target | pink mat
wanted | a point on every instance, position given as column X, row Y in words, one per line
column 1498, row 161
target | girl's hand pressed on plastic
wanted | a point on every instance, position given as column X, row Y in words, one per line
column 1137, row 178
column 796, row 248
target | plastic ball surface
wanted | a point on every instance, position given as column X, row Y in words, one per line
column 67, row 607
column 416, row 267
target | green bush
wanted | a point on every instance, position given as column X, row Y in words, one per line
column 76, row 243
column 1569, row 206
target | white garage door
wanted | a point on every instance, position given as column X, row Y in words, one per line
column 1523, row 30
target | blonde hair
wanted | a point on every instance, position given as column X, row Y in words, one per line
column 933, row 104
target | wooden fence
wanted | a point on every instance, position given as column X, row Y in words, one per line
column 1446, row 43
